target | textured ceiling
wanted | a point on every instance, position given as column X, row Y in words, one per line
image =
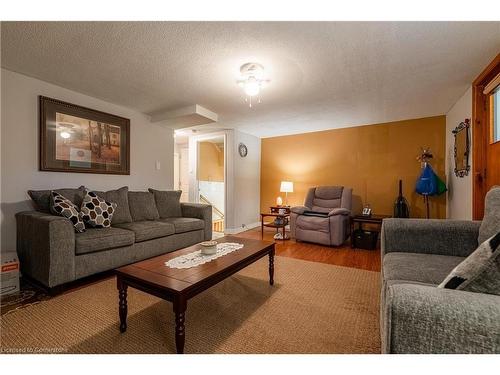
column 323, row 75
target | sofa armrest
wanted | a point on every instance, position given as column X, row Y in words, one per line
column 202, row 212
column 433, row 236
column 299, row 210
column 46, row 247
column 426, row 319
column 339, row 211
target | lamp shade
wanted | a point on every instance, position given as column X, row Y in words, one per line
column 286, row 187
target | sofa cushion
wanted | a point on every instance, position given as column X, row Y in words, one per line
column 96, row 211
column 42, row 200
column 147, row 230
column 423, row 268
column 184, row 224
column 168, row 202
column 142, row 206
column 480, row 271
column 120, row 197
column 98, row 239
column 491, row 220
column 62, row 206
column 313, row 223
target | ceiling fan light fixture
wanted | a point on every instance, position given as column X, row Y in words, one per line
column 252, row 81
column 252, row 87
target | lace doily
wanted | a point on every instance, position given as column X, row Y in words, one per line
column 196, row 258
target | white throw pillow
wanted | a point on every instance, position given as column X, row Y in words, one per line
column 480, row 271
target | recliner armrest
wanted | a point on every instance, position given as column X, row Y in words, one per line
column 299, row 210
column 339, row 211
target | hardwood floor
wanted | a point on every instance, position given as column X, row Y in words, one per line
column 340, row 256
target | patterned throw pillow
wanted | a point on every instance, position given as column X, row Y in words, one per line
column 480, row 271
column 64, row 207
column 96, row 212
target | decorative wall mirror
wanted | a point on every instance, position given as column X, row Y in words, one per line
column 462, row 148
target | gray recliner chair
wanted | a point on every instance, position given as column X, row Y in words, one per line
column 325, row 216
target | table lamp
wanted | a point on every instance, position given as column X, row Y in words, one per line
column 286, row 187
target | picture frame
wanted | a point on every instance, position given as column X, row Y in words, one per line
column 367, row 211
column 82, row 140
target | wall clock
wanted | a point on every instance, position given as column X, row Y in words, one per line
column 242, row 149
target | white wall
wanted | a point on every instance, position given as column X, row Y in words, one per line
column 459, row 196
column 246, row 181
column 19, row 149
column 242, row 179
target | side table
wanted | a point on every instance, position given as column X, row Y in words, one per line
column 272, row 224
column 362, row 219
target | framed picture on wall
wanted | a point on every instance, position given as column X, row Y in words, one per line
column 79, row 139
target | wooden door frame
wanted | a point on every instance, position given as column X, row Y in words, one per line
column 481, row 136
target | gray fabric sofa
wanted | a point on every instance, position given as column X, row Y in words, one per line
column 331, row 226
column 415, row 315
column 53, row 254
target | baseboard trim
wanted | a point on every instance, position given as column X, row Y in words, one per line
column 240, row 229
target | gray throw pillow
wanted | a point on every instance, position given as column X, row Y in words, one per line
column 42, row 198
column 120, row 197
column 491, row 221
column 142, row 206
column 168, row 202
column 480, row 271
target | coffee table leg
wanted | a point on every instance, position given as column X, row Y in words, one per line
column 271, row 267
column 180, row 331
column 122, row 307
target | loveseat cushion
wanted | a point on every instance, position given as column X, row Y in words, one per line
column 416, row 267
column 98, row 239
column 315, row 223
column 142, row 206
column 184, row 224
column 42, row 200
column 120, row 197
column 148, row 230
column 168, row 202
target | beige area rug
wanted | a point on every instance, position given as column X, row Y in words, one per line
column 312, row 308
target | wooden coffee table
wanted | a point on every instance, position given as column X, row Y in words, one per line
column 179, row 285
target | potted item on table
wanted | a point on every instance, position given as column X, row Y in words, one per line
column 208, row 247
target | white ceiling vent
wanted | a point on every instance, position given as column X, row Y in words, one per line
column 185, row 117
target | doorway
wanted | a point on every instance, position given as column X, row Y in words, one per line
column 210, row 177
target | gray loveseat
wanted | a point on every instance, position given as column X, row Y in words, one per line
column 145, row 224
column 418, row 317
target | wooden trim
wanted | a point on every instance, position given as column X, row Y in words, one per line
column 492, row 85
column 481, row 135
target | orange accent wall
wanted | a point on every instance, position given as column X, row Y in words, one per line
column 370, row 159
column 211, row 163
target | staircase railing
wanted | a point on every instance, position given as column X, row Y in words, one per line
column 214, row 208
